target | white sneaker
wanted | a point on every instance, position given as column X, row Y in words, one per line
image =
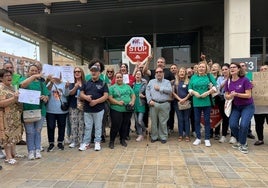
column 67, row 140
column 31, row 155
column 207, row 143
column 140, row 138
column 197, row 142
column 232, row 140
column 223, row 139
column 97, row 146
column 83, row 147
column 38, row 154
column 72, row 145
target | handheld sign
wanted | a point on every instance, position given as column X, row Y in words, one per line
column 137, row 50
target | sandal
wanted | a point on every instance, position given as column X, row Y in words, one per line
column 180, row 138
column 11, row 161
column 187, row 139
column 19, row 156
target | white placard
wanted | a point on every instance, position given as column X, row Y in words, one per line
column 54, row 71
column 67, row 74
column 29, row 96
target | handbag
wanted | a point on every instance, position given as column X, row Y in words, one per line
column 30, row 116
column 64, row 105
column 228, row 104
column 228, row 107
column 129, row 108
column 185, row 106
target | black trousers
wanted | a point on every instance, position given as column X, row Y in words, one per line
column 170, row 122
column 259, row 122
column 120, row 123
column 52, row 119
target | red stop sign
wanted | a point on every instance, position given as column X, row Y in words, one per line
column 215, row 117
column 137, row 50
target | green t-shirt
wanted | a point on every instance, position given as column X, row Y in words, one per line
column 249, row 75
column 38, row 86
column 139, row 106
column 16, row 80
column 201, row 85
column 103, row 77
column 121, row 93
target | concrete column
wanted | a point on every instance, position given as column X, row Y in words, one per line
column 236, row 29
column 45, row 49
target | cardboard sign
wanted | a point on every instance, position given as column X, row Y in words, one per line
column 260, row 88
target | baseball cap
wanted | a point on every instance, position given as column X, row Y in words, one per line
column 94, row 68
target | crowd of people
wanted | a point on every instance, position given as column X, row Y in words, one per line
column 84, row 108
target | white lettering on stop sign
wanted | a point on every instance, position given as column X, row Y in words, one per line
column 138, row 49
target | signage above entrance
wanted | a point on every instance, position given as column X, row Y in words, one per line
column 137, row 49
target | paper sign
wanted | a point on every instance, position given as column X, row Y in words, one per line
column 29, row 96
column 67, row 74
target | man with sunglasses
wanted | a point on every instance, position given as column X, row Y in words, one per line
column 158, row 93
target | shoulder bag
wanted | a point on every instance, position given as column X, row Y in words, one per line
column 30, row 116
column 64, row 105
column 228, row 104
column 186, row 105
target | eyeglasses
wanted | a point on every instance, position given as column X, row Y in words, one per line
column 110, row 71
column 7, row 75
column 77, row 71
column 158, row 72
column 233, row 67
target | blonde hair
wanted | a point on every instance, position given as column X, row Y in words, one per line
column 185, row 79
column 207, row 67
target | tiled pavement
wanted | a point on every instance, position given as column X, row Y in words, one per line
column 158, row 165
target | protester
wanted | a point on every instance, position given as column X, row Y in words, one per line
column 261, row 112
column 15, row 83
column 181, row 95
column 110, row 73
column 33, row 129
column 76, row 108
column 10, row 116
column 220, row 101
column 59, row 92
column 139, row 88
column 158, row 93
column 248, row 74
column 94, row 93
column 120, row 95
column 239, row 89
column 201, row 86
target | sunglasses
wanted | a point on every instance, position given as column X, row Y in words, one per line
column 77, row 71
column 159, row 72
column 110, row 71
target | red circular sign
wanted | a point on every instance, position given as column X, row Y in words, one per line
column 137, row 50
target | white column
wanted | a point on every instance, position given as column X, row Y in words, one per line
column 236, row 29
column 45, row 49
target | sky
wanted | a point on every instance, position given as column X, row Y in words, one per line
column 15, row 46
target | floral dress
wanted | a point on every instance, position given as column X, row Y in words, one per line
column 10, row 118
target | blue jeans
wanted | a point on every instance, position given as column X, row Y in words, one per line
column 90, row 120
column 33, row 134
column 139, row 122
column 240, row 131
column 183, row 120
column 197, row 119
